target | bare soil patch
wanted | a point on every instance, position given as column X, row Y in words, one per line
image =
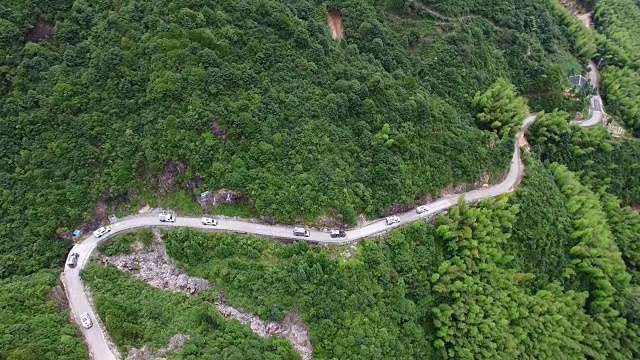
column 291, row 328
column 217, row 130
column 586, row 19
column 223, row 196
column 575, row 5
column 167, row 181
column 40, row 32
column 523, row 142
column 455, row 189
column 335, row 24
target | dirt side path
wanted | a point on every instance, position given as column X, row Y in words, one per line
column 335, row 24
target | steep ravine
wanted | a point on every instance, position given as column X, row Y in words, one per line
column 153, row 266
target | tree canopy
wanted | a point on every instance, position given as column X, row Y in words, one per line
column 500, row 108
column 618, row 21
column 135, row 101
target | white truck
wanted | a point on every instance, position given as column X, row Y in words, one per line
column 167, row 217
column 301, row 232
column 86, row 320
column 338, row 233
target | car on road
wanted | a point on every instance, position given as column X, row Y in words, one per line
column 209, row 221
column 301, row 232
column 338, row 233
column 167, row 217
column 421, row 209
column 392, row 220
column 86, row 320
column 72, row 261
column 101, row 231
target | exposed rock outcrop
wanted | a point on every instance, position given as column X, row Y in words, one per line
column 153, row 266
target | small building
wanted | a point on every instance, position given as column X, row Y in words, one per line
column 112, row 218
column 77, row 233
column 578, row 81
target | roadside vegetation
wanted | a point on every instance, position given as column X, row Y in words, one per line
column 619, row 22
column 541, row 233
column 601, row 161
column 123, row 243
column 371, row 306
column 33, row 324
column 136, row 314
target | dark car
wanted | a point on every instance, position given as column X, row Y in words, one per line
column 338, row 233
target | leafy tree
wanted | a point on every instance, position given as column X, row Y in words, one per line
column 500, row 109
column 31, row 324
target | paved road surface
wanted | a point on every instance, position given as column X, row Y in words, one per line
column 596, row 101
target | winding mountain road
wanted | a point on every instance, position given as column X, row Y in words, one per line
column 97, row 338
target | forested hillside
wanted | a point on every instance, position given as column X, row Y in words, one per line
column 123, row 102
column 136, row 97
column 619, row 22
column 136, row 314
column 600, row 160
column 498, row 280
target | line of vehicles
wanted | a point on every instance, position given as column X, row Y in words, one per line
column 72, row 260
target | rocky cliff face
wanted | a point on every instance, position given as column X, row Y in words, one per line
column 153, row 266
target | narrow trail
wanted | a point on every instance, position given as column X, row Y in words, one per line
column 97, row 338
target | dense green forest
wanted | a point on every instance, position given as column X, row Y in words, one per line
column 368, row 307
column 131, row 101
column 600, row 160
column 117, row 101
column 134, row 97
column 126, row 99
column 31, row 327
column 619, row 22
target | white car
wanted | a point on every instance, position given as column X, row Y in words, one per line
column 166, row 217
column 209, row 221
column 86, row 320
column 301, row 232
column 392, row 220
column 421, row 209
column 101, row 231
column 72, row 261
